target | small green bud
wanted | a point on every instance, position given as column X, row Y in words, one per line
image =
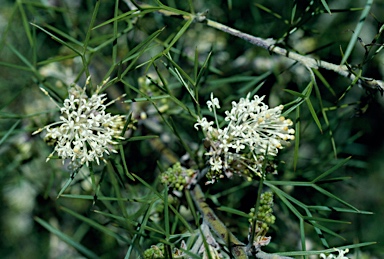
column 264, row 226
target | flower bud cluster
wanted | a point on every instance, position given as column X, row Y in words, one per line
column 264, row 217
column 85, row 131
column 158, row 252
column 253, row 132
column 155, row 251
column 177, row 177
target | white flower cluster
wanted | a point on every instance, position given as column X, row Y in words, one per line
column 85, row 130
column 339, row 256
column 253, row 130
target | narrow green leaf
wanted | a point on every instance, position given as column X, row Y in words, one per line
column 191, row 206
column 140, row 138
column 293, row 106
column 331, row 250
column 196, row 65
column 115, row 176
column 177, row 71
column 22, row 58
column 257, row 81
column 357, row 31
column 297, row 139
column 140, row 234
column 166, row 214
column 69, row 181
column 9, row 132
column 357, row 77
column 116, row 18
column 82, row 249
column 293, row 13
column 314, row 115
column 294, row 93
column 238, row 79
column 59, row 40
column 327, row 220
column 306, row 96
column 91, row 23
column 334, row 179
column 6, row 64
column 329, row 171
column 122, row 155
column 302, row 235
column 96, row 225
column 233, row 211
column 138, row 50
column 57, row 59
column 290, row 183
column 320, row 100
column 62, row 34
column 331, row 195
column 125, row 221
column 106, row 198
column 149, row 98
column 25, row 22
column 266, row 9
column 7, row 26
column 317, row 230
column 176, row 100
column 326, row 230
column 204, row 68
column 302, row 229
column 324, row 81
column 181, row 139
column 178, row 35
column 326, row 6
column 181, row 218
column 115, row 33
column 282, row 196
column 299, row 100
column 338, row 209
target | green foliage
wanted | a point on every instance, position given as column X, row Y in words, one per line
column 167, row 57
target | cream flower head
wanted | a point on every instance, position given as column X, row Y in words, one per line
column 85, row 130
column 253, row 130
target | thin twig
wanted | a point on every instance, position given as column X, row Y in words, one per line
column 269, row 44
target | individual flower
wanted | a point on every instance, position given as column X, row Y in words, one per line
column 213, row 103
column 85, row 131
column 339, row 256
column 253, row 131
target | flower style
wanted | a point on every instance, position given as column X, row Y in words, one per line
column 85, row 130
column 339, row 256
column 253, row 131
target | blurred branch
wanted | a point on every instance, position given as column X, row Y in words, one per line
column 209, row 216
column 269, row 44
column 238, row 248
